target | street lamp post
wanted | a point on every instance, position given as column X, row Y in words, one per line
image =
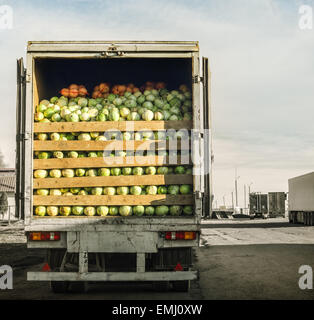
column 244, row 196
column 250, row 187
column 236, row 186
column 249, row 194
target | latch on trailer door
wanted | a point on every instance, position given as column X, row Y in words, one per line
column 112, row 52
column 197, row 79
column 24, row 136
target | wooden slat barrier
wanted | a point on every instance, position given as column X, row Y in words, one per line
column 111, row 181
column 113, row 200
column 111, row 125
column 111, row 145
column 138, row 161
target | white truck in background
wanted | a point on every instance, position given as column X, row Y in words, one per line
column 301, row 199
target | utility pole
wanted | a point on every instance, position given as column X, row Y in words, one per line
column 244, row 196
column 250, row 187
column 236, row 186
column 232, row 200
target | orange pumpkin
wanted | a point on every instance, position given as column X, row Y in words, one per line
column 73, row 86
column 95, row 94
column 82, row 92
column 160, row 85
column 65, row 92
column 73, row 93
column 115, row 90
column 183, row 88
column 121, row 88
column 150, row 84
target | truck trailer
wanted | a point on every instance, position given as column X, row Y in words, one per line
column 85, row 245
column 301, row 199
column 258, row 205
column 277, row 204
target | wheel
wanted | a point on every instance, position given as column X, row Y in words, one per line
column 305, row 219
column 54, row 259
column 161, row 286
column 59, row 286
column 181, row 286
column 77, row 287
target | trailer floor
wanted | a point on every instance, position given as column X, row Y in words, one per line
column 238, row 259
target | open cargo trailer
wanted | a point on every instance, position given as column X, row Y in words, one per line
column 112, row 248
column 301, row 199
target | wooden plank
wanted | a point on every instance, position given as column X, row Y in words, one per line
column 111, row 181
column 97, row 126
column 138, row 161
column 131, row 200
column 111, row 145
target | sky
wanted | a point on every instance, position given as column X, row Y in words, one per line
column 262, row 74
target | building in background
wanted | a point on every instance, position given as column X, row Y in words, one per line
column 7, row 185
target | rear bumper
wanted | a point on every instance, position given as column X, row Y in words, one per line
column 113, row 276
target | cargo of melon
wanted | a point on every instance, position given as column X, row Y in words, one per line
column 118, row 103
column 175, row 210
column 125, row 105
column 125, row 211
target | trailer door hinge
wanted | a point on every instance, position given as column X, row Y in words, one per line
column 24, row 136
column 197, row 79
column 198, row 195
column 23, row 197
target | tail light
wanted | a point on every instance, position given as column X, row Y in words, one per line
column 180, row 235
column 44, row 236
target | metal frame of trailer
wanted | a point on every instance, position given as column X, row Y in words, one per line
column 124, row 234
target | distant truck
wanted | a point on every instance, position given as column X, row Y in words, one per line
column 258, row 205
column 269, row 205
column 301, row 199
column 277, row 204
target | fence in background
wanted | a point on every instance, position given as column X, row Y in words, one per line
column 8, row 216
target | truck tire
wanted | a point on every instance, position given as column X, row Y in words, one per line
column 54, row 259
column 181, row 286
column 306, row 216
column 161, row 286
column 59, row 286
column 290, row 217
column 77, row 287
